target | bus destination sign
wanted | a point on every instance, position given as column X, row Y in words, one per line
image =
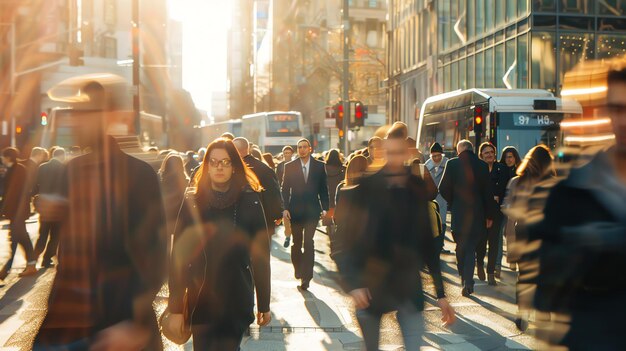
column 532, row 120
column 283, row 118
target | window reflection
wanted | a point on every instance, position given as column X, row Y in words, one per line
column 577, row 6
column 522, row 61
column 543, row 61
column 574, row 49
column 489, row 68
column 612, row 7
column 544, row 5
column 611, row 45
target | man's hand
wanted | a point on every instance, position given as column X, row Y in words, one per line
column 123, row 336
column 447, row 312
column 263, row 318
column 489, row 223
column 361, row 298
column 497, row 198
column 286, row 214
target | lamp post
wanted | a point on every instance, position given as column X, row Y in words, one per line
column 12, row 79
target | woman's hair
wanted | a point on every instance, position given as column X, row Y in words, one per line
column 536, row 164
column 512, row 150
column 172, row 164
column 242, row 175
column 269, row 160
column 357, row 165
column 483, row 146
column 333, row 158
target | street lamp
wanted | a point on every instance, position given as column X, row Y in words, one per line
column 12, row 79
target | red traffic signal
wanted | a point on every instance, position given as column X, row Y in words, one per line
column 360, row 114
column 478, row 120
column 338, row 112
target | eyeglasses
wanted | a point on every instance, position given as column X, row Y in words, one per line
column 225, row 162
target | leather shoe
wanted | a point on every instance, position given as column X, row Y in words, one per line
column 491, row 280
column 3, row 275
column 467, row 291
column 480, row 270
column 498, row 273
column 287, row 242
column 304, row 285
column 28, row 271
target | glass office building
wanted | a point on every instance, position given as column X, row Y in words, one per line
column 523, row 43
column 436, row 46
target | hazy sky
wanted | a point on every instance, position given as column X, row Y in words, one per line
column 205, row 29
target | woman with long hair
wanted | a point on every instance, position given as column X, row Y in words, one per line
column 511, row 159
column 221, row 252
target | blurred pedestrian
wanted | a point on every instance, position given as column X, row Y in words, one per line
column 221, row 253
column 227, row 135
column 112, row 255
column 583, row 236
column 382, row 263
column 16, row 208
column 256, row 153
column 201, row 153
column 270, row 196
column 174, row 181
column 287, row 157
column 375, row 151
column 49, row 182
column 38, row 156
column 435, row 164
column 269, row 160
column 190, row 162
column 305, row 196
column 335, row 173
column 466, row 187
column 499, row 176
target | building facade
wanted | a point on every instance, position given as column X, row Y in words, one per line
column 240, row 59
column 461, row 44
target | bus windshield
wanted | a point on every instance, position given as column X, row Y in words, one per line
column 524, row 130
column 283, row 125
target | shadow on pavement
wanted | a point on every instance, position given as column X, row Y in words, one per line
column 13, row 295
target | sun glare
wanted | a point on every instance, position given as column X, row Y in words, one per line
column 205, row 30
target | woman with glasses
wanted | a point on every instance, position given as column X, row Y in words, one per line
column 221, row 252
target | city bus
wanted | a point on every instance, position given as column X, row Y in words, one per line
column 521, row 118
column 273, row 130
column 210, row 132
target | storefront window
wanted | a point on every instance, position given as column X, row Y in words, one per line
column 574, row 49
column 612, row 7
column 543, row 63
column 544, row 5
column 480, row 70
column 522, row 61
column 611, row 45
column 489, row 68
column 499, row 66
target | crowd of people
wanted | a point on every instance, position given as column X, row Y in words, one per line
column 203, row 223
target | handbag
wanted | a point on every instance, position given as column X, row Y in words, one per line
column 177, row 331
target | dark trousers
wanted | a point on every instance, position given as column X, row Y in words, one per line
column 491, row 238
column 209, row 338
column 302, row 234
column 19, row 235
column 46, row 229
column 465, row 256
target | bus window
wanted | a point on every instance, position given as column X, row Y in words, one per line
column 525, row 130
column 283, row 125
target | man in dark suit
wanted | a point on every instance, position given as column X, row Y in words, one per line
column 270, row 197
column 466, row 187
column 305, row 195
column 49, row 181
column 16, row 208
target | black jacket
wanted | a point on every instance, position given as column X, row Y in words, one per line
column 221, row 255
column 16, row 199
column 334, row 176
column 271, row 197
column 466, row 187
column 50, row 178
column 113, row 253
column 385, row 239
column 500, row 175
column 305, row 201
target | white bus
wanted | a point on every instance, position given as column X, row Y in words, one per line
column 521, row 118
column 273, row 130
column 213, row 131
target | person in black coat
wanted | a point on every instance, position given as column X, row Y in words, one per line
column 499, row 175
column 271, row 196
column 49, row 181
column 287, row 157
column 221, row 252
column 387, row 242
column 16, row 208
column 466, row 187
column 305, row 195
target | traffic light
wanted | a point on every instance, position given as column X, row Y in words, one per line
column 44, row 119
column 18, row 130
column 338, row 111
column 360, row 114
column 478, row 120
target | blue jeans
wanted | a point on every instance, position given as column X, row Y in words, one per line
column 411, row 323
